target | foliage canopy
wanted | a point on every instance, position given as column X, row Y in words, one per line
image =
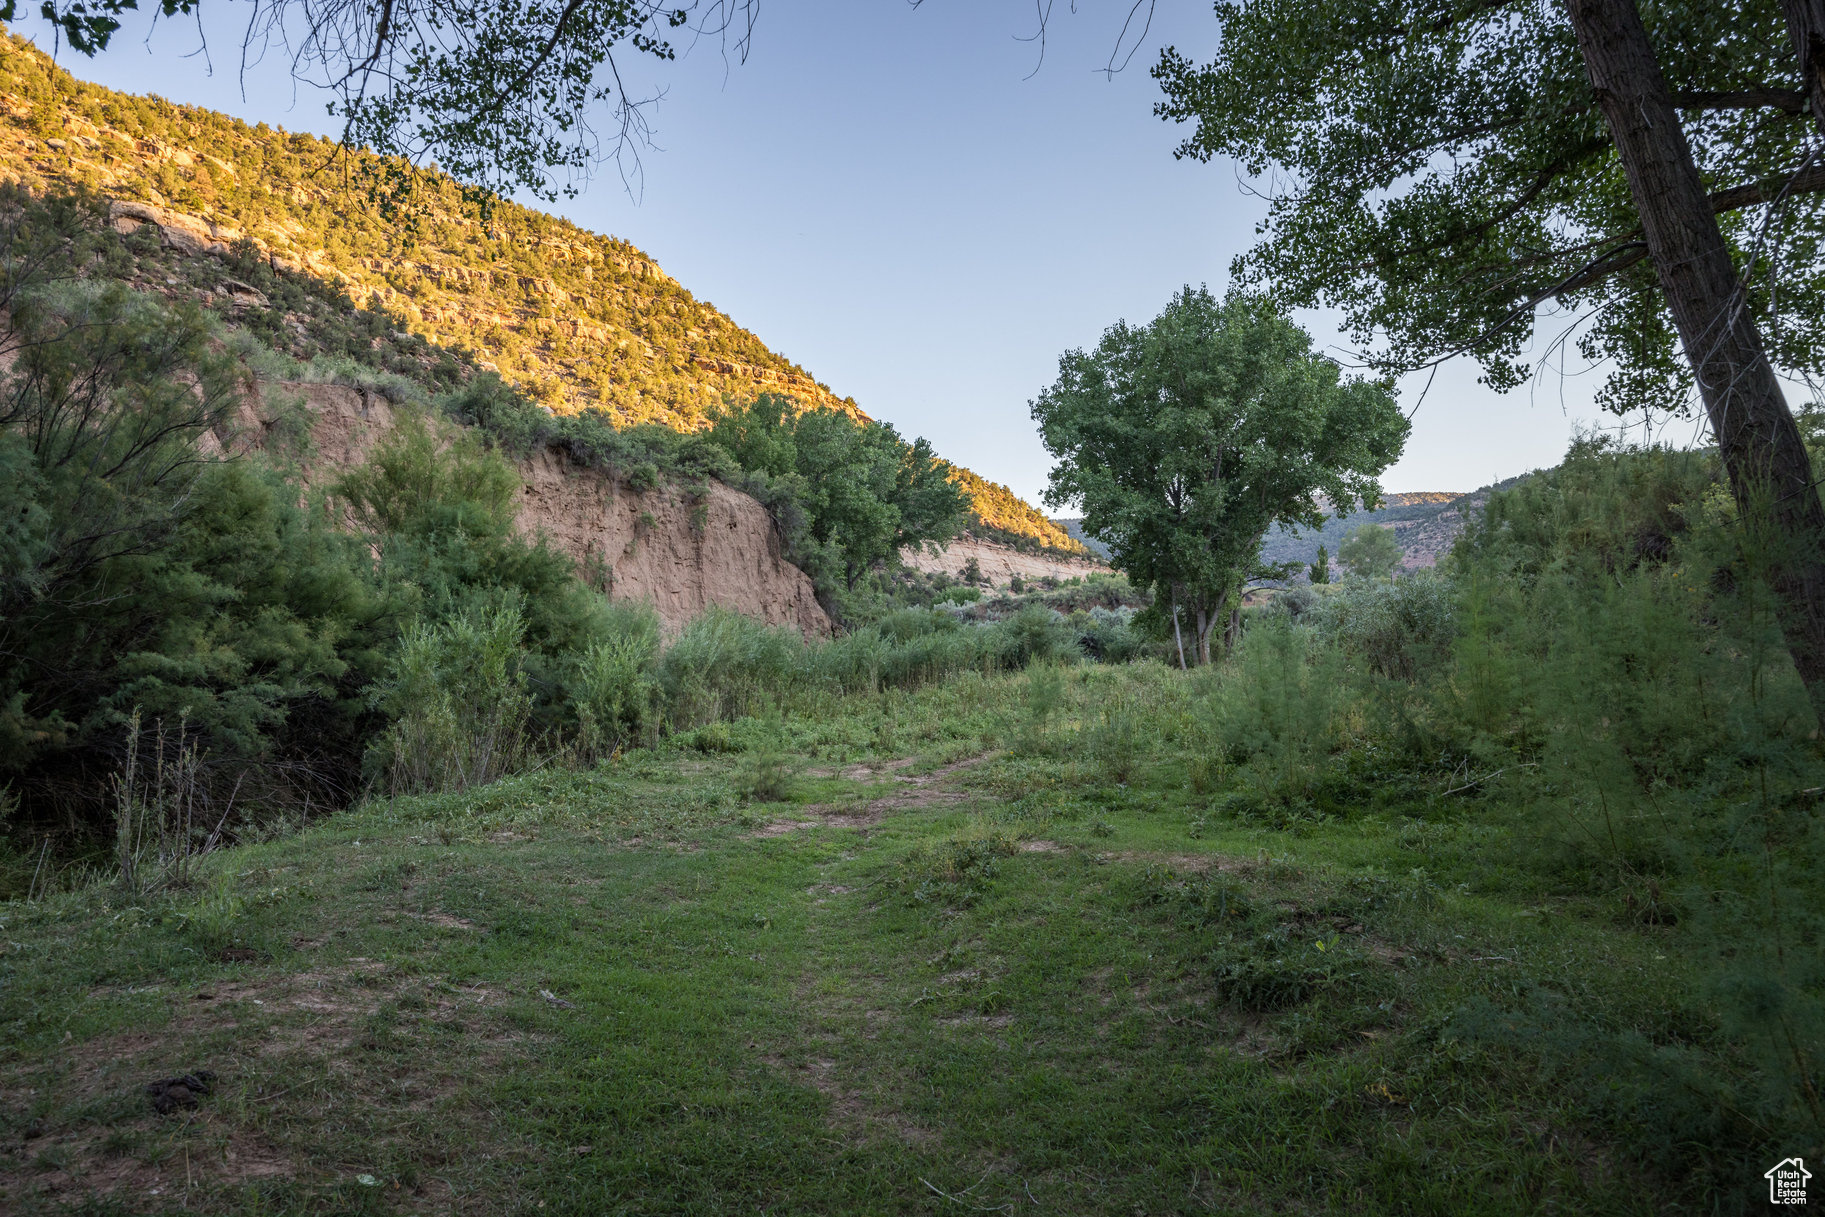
column 501, row 93
column 1441, row 170
column 1187, row 438
column 1370, row 551
column 866, row 493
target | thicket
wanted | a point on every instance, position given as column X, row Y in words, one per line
column 1596, row 669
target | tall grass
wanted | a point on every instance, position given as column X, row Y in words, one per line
column 161, row 808
column 456, row 695
column 1597, row 668
column 726, row 666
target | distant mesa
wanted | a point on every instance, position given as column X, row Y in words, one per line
column 1426, row 523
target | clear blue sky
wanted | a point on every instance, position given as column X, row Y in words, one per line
column 882, row 194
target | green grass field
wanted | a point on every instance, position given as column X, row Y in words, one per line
column 980, row 948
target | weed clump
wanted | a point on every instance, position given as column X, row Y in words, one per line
column 1273, row 971
column 955, row 872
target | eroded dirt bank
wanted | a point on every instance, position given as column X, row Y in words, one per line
column 678, row 552
column 999, row 563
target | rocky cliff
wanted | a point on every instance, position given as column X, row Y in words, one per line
column 679, row 552
column 1000, row 563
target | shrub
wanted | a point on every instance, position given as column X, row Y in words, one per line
column 612, row 687
column 1282, row 707
column 1400, row 630
column 134, row 574
column 1108, row 634
column 456, row 694
column 725, row 665
column 766, row 776
column 1036, row 635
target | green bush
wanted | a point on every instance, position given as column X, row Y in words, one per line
column 134, row 576
column 725, row 665
column 1036, row 635
column 1401, row 630
column 858, row 493
column 456, row 695
column 1282, row 708
column 612, row 684
column 1108, row 634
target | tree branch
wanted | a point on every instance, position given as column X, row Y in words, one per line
column 1788, row 101
column 1810, row 180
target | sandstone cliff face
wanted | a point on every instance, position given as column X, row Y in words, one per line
column 662, row 546
column 999, row 563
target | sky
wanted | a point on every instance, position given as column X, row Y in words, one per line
column 923, row 214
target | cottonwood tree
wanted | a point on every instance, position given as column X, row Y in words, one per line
column 865, row 492
column 1186, row 439
column 1370, row 552
column 1443, row 170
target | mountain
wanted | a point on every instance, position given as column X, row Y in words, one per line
column 1073, row 527
column 1425, row 522
column 576, row 319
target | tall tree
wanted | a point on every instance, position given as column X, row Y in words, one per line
column 865, row 492
column 1185, row 440
column 1452, row 166
column 1370, row 551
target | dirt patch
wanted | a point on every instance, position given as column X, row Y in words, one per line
column 779, row 828
column 1188, row 864
column 944, row 771
column 924, row 790
column 976, row 1020
column 862, row 1117
column 863, row 771
column 816, row 817
column 1386, row 952
column 287, row 1051
column 1041, row 847
column 98, row 1164
column 445, row 921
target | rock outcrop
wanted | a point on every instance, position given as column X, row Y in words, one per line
column 1000, row 563
column 680, row 552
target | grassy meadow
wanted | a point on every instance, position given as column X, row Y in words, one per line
column 999, row 944
column 1490, row 890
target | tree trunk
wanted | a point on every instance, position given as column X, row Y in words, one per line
column 1806, row 26
column 1205, row 620
column 1178, row 636
column 1769, row 470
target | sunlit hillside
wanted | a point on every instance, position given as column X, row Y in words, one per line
column 576, row 319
